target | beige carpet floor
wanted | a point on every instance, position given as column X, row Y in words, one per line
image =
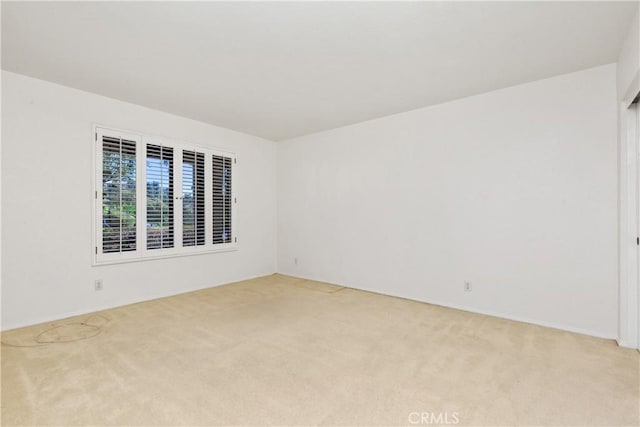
column 284, row 351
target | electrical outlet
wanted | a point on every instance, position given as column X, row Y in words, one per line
column 295, row 260
column 97, row 284
column 467, row 286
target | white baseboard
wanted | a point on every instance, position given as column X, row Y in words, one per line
column 491, row 313
column 7, row 326
column 623, row 343
column 626, row 344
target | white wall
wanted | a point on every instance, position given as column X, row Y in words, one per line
column 47, row 216
column 513, row 190
column 629, row 59
column 628, row 86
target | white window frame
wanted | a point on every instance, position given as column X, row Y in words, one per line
column 142, row 253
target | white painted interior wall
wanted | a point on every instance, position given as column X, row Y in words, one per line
column 628, row 64
column 46, row 162
column 627, row 87
column 514, row 190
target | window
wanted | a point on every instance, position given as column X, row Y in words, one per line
column 118, row 195
column 221, row 201
column 193, row 193
column 158, row 198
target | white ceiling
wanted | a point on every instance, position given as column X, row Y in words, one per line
column 280, row 70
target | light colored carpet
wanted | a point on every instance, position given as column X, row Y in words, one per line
column 284, row 351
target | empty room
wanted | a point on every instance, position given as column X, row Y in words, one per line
column 320, row 213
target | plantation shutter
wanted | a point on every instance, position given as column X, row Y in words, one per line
column 222, row 199
column 118, row 195
column 156, row 198
column 193, row 199
column 160, row 200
